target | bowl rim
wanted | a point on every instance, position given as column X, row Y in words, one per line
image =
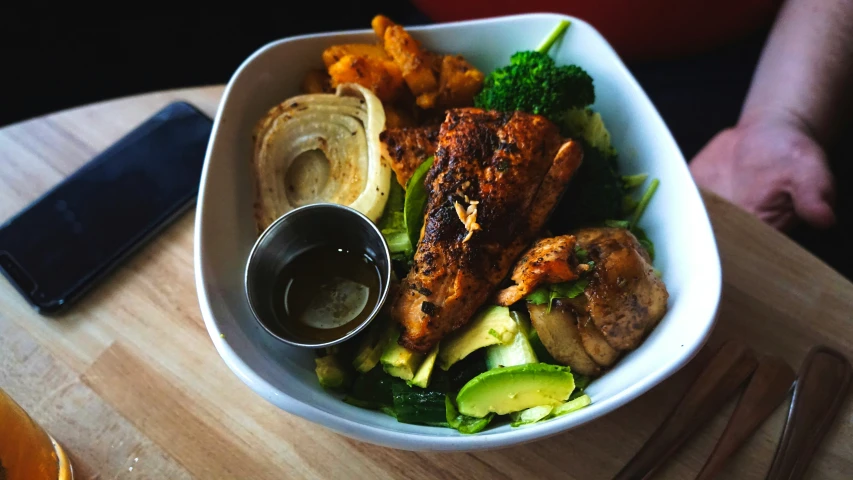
column 453, row 441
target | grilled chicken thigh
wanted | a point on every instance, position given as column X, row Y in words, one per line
column 549, row 260
column 622, row 302
column 406, row 148
column 558, row 331
column 495, row 180
column 625, row 299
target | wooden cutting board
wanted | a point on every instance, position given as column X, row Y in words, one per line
column 131, row 385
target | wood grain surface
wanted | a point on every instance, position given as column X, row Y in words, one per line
column 718, row 381
column 129, row 382
column 769, row 386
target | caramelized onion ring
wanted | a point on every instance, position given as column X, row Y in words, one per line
column 321, row 147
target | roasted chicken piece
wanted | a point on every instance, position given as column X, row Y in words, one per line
column 406, row 148
column 624, row 299
column 558, row 331
column 549, row 260
column 495, row 180
column 594, row 343
column 621, row 303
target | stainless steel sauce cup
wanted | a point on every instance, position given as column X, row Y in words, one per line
column 300, row 230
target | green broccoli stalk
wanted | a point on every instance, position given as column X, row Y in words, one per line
column 555, row 35
column 533, row 83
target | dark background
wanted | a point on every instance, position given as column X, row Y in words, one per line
column 54, row 60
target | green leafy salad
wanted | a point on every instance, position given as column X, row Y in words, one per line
column 496, row 367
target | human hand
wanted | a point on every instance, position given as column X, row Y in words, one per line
column 772, row 168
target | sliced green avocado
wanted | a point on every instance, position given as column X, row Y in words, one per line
column 518, row 351
column 492, row 325
column 512, row 389
column 398, row 361
column 425, row 371
column 463, row 423
column 372, row 346
column 330, row 372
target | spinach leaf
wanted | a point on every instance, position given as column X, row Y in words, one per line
column 415, row 202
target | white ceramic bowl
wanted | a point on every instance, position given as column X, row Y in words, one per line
column 224, row 232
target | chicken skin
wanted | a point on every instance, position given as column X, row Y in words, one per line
column 549, row 260
column 622, row 301
column 625, row 299
column 406, row 148
column 495, row 180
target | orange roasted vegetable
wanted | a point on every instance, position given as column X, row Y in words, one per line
column 379, row 24
column 334, row 53
column 397, row 116
column 382, row 77
column 317, row 81
column 458, row 82
column 415, row 63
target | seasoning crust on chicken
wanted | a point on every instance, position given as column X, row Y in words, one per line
column 625, row 298
column 549, row 260
column 406, row 148
column 622, row 302
column 495, row 180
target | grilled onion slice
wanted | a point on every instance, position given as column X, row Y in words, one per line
column 321, row 147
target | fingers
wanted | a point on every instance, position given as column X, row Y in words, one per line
column 711, row 167
column 813, row 192
column 782, row 221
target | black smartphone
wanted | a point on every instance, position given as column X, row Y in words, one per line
column 62, row 244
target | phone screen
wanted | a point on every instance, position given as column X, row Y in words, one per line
column 58, row 246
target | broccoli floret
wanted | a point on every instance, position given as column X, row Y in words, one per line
column 595, row 194
column 597, row 190
column 533, row 83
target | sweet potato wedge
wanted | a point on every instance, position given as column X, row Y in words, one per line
column 380, row 23
column 334, row 53
column 458, row 82
column 317, row 81
column 382, row 77
column 415, row 63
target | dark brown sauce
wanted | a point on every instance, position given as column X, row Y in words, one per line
column 325, row 292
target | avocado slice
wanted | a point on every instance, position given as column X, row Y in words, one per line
column 398, row 361
column 492, row 325
column 518, row 351
column 330, row 372
column 425, row 370
column 463, row 423
column 512, row 389
column 372, row 345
